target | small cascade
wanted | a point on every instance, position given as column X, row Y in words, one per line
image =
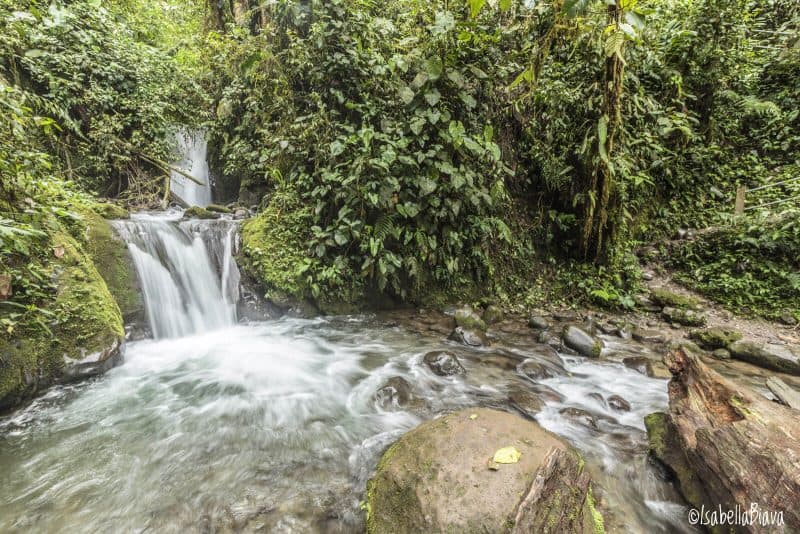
column 189, row 278
column 192, row 148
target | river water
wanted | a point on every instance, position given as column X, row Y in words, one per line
column 274, row 426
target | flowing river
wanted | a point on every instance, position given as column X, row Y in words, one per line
column 216, row 425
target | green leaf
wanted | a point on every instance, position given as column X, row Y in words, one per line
column 433, row 97
column 337, row 147
column 602, row 136
column 340, row 238
column 406, row 95
column 573, row 8
column 434, row 67
column 505, row 5
column 475, row 7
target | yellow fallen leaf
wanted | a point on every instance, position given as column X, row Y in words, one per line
column 473, row 416
column 507, row 455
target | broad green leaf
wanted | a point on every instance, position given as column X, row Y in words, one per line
column 434, row 67
column 602, row 135
column 574, row 8
column 433, row 97
column 475, row 7
column 406, row 95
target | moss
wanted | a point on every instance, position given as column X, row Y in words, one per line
column 217, row 208
column 684, row 316
column 598, row 523
column 656, row 425
column 107, row 210
column 196, row 212
column 715, row 338
column 85, row 320
column 274, row 247
column 664, row 297
column 113, row 262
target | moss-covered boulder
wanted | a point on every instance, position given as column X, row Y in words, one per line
column 196, row 212
column 469, row 319
column 581, row 341
column 683, row 316
column 759, row 355
column 442, row 477
column 113, row 261
column 715, row 338
column 83, row 338
column 664, row 297
column 216, row 208
column 108, row 210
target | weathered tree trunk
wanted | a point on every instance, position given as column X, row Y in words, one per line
column 728, row 446
column 241, row 12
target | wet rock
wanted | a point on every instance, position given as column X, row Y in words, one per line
column 493, row 314
column 444, row 363
column 395, row 393
column 657, row 369
column 472, row 338
column 714, row 338
column 535, row 370
column 649, row 336
column 196, row 212
column 582, row 342
column 240, row 214
column 538, row 322
column 93, row 364
column 468, row 319
column 759, row 355
column 436, row 479
column 502, row 361
column 526, row 402
column 638, row 363
column 618, row 403
column 721, row 354
column 580, row 416
column 725, row 444
column 598, row 397
column 683, row 316
column 549, row 338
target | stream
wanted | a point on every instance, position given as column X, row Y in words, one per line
column 219, row 425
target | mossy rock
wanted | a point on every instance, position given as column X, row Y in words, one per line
column 107, row 210
column 85, row 335
column 196, row 212
column 440, row 477
column 664, row 297
column 715, row 338
column 114, row 263
column 683, row 316
column 216, row 208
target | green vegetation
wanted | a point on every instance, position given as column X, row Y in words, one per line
column 413, row 151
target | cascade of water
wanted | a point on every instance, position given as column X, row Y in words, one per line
column 189, row 277
column 192, row 148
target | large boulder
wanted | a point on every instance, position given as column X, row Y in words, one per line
column 471, row 338
column 582, row 342
column 469, row 319
column 727, row 446
column 683, row 316
column 758, row 355
column 440, row 477
column 715, row 338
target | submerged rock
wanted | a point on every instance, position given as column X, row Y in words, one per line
column 443, row 363
column 582, row 342
column 618, row 403
column 436, row 478
column 395, row 393
column 472, row 338
column 526, row 402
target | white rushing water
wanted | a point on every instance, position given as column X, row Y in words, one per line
column 275, row 426
column 192, row 149
column 187, row 272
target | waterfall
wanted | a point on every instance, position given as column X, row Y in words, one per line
column 189, row 277
column 192, row 148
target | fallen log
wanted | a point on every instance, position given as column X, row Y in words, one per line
column 727, row 446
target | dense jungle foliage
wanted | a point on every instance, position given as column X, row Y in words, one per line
column 465, row 148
